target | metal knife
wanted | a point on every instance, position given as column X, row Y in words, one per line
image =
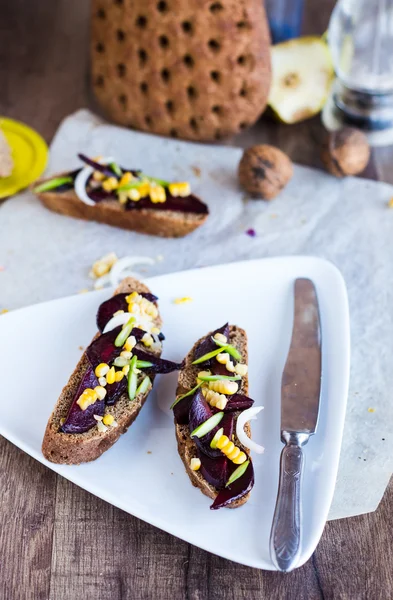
column 300, row 397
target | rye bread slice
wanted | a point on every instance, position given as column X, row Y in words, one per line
column 185, row 445
column 75, row 448
column 162, row 223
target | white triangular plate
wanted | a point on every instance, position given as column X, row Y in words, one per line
column 143, row 474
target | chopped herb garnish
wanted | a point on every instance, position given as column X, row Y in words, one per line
column 52, row 184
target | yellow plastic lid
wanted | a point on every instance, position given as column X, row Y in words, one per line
column 29, row 153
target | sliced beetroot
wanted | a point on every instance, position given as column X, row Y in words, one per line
column 160, row 365
column 237, row 489
column 103, row 349
column 203, row 443
column 238, row 402
column 214, row 470
column 207, row 344
column 189, row 204
column 219, row 369
column 104, row 169
column 78, row 420
column 200, row 411
column 181, row 410
column 115, row 390
column 118, row 302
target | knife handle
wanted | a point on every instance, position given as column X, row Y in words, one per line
column 286, row 531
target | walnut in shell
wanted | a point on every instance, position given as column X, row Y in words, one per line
column 345, row 152
column 264, row 171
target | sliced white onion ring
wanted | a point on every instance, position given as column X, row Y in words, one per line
column 117, row 320
column 248, row 415
column 117, row 272
column 81, row 180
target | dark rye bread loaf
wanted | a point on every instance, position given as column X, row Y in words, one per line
column 163, row 223
column 71, row 449
column 193, row 69
column 186, row 381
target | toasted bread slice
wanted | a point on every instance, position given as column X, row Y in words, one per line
column 186, row 446
column 75, row 448
column 163, row 223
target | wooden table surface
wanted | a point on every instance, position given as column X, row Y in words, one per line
column 58, row 541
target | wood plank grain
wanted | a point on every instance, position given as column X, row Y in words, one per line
column 103, row 553
column 27, row 505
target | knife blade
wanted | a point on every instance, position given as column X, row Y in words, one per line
column 300, row 400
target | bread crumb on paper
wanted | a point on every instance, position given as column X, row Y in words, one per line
column 371, row 410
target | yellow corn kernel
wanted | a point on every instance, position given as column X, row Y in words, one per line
column 221, row 403
column 101, row 370
column 111, row 375
column 228, row 448
column 100, row 391
column 221, row 338
column 222, row 442
column 202, row 374
column 134, row 194
column 147, row 340
column 144, row 189
column 119, row 376
column 110, row 184
column 87, row 397
column 240, row 459
column 230, row 366
column 98, row 176
column 241, row 369
column 157, row 193
column 222, row 358
column 182, row 300
column 134, row 308
column 214, row 399
column 223, row 386
column 126, row 369
column 125, row 178
column 102, row 381
column 130, row 343
column 149, row 308
column 103, row 265
column 195, row 464
column 155, row 330
column 181, row 188
column 108, row 419
column 122, row 197
column 234, row 454
column 133, row 297
column 126, row 354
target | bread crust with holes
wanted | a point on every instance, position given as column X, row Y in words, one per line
column 76, row 448
column 185, row 445
column 162, row 223
column 182, row 68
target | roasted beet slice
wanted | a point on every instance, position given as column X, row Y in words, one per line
column 117, row 302
column 78, row 420
column 238, row 402
column 200, row 411
column 237, row 489
column 115, row 390
column 214, row 470
column 103, row 349
column 160, row 365
column 203, row 443
column 181, row 410
column 189, row 204
column 207, row 344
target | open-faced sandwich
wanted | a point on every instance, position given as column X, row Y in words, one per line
column 112, row 380
column 105, row 192
column 211, row 413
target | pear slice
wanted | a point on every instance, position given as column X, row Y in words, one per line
column 302, row 72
